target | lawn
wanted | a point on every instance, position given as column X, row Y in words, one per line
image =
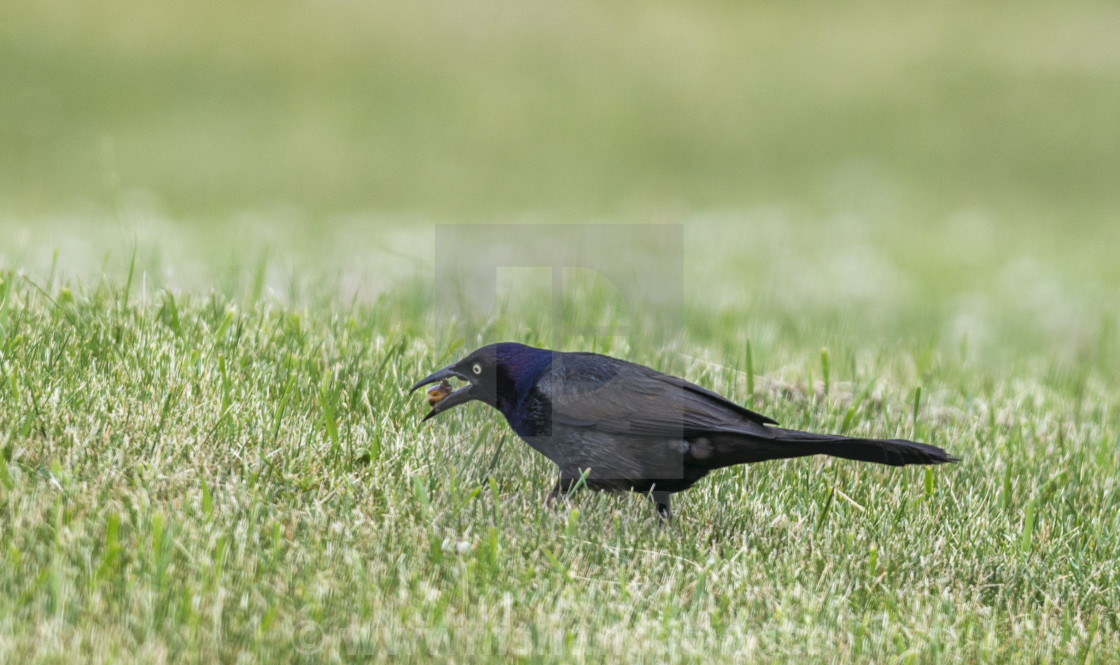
column 233, row 239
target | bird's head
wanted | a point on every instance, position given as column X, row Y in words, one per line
column 498, row 374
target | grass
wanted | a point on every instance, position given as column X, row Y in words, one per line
column 237, row 473
column 220, row 271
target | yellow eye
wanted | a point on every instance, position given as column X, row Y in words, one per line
column 477, row 369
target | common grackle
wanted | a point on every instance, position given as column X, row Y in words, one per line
column 623, row 426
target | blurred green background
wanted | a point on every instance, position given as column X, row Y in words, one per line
column 480, row 110
column 889, row 172
column 919, row 201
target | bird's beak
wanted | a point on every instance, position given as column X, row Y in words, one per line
column 455, row 398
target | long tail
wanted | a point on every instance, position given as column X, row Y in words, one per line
column 787, row 443
column 895, row 452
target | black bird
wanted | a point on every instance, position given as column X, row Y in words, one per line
column 624, row 426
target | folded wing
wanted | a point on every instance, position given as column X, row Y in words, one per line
column 618, row 397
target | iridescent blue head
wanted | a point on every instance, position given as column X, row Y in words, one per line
column 500, row 375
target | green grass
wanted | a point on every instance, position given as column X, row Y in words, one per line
column 234, row 472
column 216, row 283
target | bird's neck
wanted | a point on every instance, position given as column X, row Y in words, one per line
column 529, row 415
column 520, row 370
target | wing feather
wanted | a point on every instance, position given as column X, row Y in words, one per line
column 619, row 397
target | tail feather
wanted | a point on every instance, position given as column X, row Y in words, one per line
column 895, row 452
column 720, row 451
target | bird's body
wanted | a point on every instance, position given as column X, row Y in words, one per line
column 624, row 426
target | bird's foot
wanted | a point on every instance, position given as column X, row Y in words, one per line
column 661, row 503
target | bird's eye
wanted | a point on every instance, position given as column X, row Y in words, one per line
column 477, row 369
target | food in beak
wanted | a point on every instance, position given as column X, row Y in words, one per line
column 439, row 391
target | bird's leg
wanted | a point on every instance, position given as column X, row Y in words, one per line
column 559, row 490
column 661, row 502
